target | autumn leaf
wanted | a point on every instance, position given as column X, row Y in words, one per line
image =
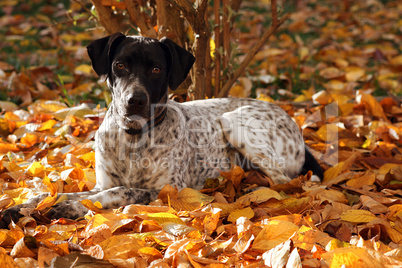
column 274, row 233
column 358, row 216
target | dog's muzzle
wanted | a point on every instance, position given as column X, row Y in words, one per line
column 157, row 117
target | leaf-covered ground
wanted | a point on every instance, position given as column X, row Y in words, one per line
column 330, row 63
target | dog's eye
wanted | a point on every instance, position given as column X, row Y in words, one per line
column 120, row 65
column 156, row 70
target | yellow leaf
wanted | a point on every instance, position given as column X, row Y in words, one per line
column 245, row 212
column 36, row 169
column 328, row 132
column 114, row 221
column 335, row 243
column 83, row 69
column 396, row 61
column 395, row 212
column 385, row 169
column 258, row 196
column 264, row 97
column 336, row 170
column 303, row 53
column 96, row 207
column 226, row 209
column 164, row 217
column 354, row 73
column 47, row 106
column 274, row 233
column 331, row 73
column 307, row 238
column 351, row 257
column 52, row 186
column 212, row 48
column 177, row 229
column 190, row 199
column 47, row 202
column 359, row 182
column 358, row 216
column 335, row 86
column 292, row 205
column 121, row 246
column 19, row 195
column 341, row 63
column 47, row 125
column 190, row 195
column 393, row 234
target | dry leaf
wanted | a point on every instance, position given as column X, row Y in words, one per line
column 274, row 233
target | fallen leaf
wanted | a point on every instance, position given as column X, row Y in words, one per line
column 358, row 216
column 274, row 233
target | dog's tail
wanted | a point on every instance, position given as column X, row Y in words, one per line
column 311, row 163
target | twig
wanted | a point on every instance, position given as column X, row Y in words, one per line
column 250, row 55
column 226, row 38
column 86, row 9
column 274, row 13
column 217, row 6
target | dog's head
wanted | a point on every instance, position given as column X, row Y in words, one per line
column 138, row 71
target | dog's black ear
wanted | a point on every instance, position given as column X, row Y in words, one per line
column 181, row 63
column 101, row 52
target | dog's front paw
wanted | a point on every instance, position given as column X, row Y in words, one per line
column 68, row 209
column 11, row 214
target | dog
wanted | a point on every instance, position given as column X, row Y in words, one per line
column 147, row 141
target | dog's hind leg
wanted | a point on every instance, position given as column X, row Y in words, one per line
column 267, row 138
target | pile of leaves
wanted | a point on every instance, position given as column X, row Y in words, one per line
column 352, row 217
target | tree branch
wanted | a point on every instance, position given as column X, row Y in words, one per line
column 136, row 17
column 250, row 55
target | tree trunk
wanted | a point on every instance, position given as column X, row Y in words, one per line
column 106, row 18
column 170, row 24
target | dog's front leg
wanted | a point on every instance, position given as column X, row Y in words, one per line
column 111, row 198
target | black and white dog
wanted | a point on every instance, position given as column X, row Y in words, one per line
column 147, row 141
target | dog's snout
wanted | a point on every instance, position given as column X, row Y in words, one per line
column 136, row 104
column 137, row 100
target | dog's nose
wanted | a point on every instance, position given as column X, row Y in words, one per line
column 137, row 101
column 136, row 104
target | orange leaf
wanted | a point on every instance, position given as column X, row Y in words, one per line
column 150, row 254
column 236, row 174
column 274, row 233
column 29, row 139
column 371, row 104
column 7, row 261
